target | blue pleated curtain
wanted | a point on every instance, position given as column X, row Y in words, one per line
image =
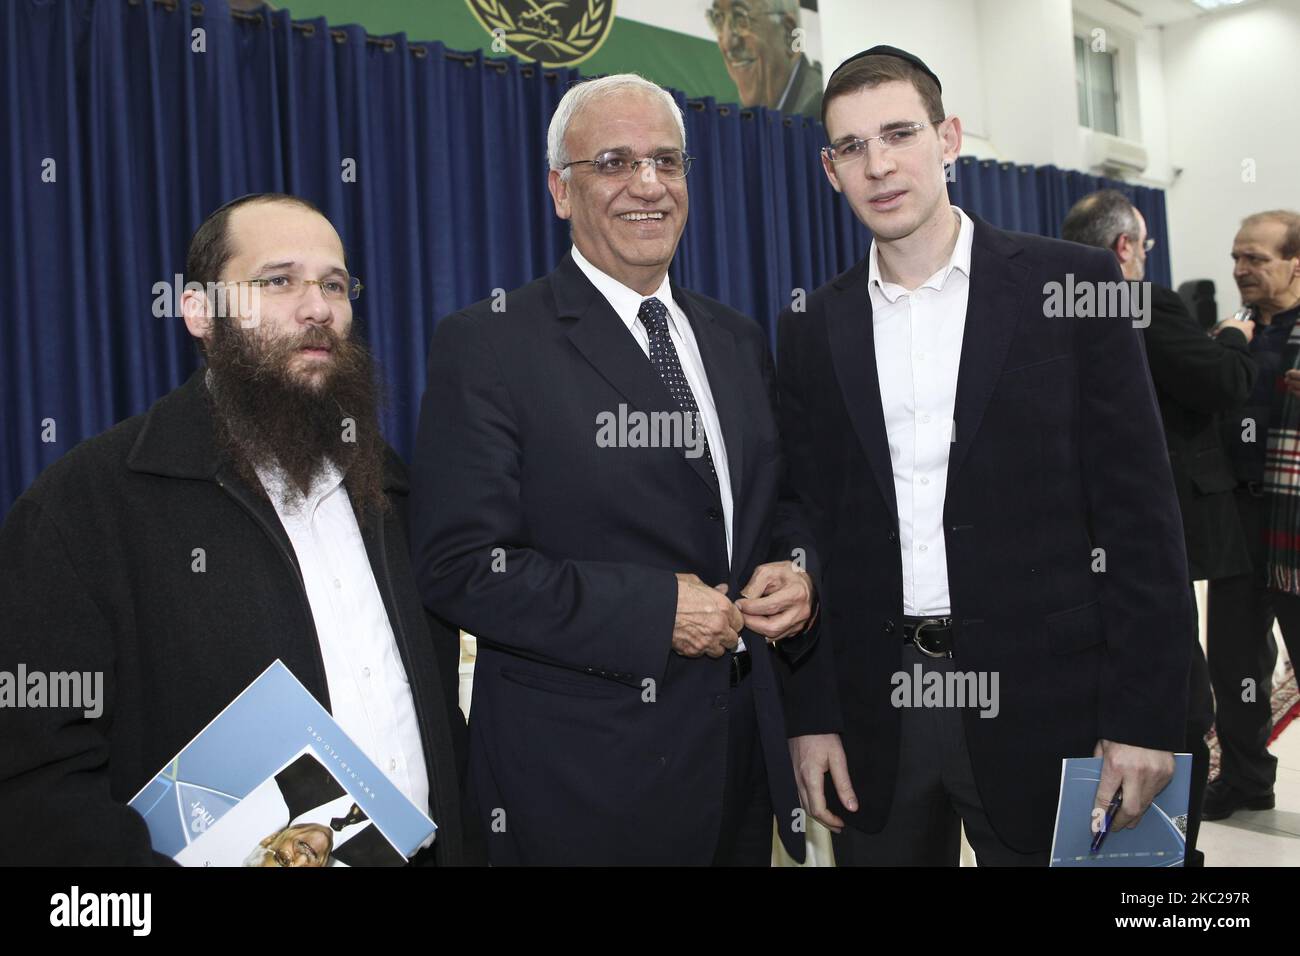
column 126, row 128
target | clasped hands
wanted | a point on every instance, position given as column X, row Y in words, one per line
column 776, row 603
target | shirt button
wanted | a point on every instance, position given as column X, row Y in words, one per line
column 392, row 764
column 923, row 547
column 338, row 584
column 920, row 356
column 365, row 672
column 924, row 480
column 925, row 419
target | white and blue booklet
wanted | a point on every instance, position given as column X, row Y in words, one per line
column 1160, row 839
column 274, row 781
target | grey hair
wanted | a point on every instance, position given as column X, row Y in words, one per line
column 1099, row 218
column 584, row 93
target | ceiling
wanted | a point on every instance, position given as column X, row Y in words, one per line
column 1156, row 13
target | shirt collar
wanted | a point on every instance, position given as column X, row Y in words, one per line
column 624, row 300
column 960, row 260
column 789, row 85
column 287, row 500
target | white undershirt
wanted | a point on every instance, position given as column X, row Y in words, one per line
column 918, row 337
column 370, row 696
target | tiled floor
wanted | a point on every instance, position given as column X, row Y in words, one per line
column 1264, row 837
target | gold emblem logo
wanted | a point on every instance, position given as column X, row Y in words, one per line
column 554, row 33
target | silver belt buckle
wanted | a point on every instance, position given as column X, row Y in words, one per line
column 917, row 637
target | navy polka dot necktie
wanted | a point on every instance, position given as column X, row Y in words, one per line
column 663, row 356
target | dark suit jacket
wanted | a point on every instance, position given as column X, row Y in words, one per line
column 96, row 574
column 805, row 95
column 591, row 741
column 1196, row 378
column 1057, row 451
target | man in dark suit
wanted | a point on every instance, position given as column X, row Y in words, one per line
column 1196, row 377
column 597, row 476
column 1243, row 609
column 990, row 495
column 254, row 513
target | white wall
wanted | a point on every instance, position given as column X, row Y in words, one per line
column 940, row 32
column 1153, row 107
column 1026, row 52
column 1007, row 67
column 1233, row 94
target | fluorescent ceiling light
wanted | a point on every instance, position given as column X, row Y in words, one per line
column 1217, row 4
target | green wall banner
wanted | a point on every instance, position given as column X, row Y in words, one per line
column 751, row 52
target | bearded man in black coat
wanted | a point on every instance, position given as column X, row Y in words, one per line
column 254, row 513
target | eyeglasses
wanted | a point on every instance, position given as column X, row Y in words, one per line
column 335, row 288
column 894, row 141
column 741, row 21
column 301, row 848
column 1148, row 243
column 619, row 164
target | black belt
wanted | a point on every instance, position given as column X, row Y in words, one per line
column 741, row 663
column 931, row 635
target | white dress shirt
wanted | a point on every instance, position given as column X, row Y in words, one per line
column 918, row 337
column 370, row 696
column 627, row 303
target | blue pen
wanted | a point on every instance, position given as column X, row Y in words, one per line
column 1100, row 835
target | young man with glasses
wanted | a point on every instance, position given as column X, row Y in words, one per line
column 991, row 497
column 254, row 513
column 598, row 498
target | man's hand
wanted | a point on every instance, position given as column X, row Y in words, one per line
column 1292, row 382
column 812, row 756
column 1141, row 772
column 706, row 623
column 777, row 601
column 1246, row 328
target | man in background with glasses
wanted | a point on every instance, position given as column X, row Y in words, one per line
column 992, row 499
column 598, row 498
column 254, row 513
column 1197, row 378
column 758, row 41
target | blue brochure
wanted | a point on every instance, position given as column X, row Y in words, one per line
column 1160, row 839
column 274, row 781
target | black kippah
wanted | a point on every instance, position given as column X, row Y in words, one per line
column 897, row 54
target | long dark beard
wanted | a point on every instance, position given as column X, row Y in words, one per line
column 265, row 415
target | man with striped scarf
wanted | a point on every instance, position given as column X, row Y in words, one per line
column 1263, row 440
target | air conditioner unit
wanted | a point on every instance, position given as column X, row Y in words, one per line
column 1115, row 155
